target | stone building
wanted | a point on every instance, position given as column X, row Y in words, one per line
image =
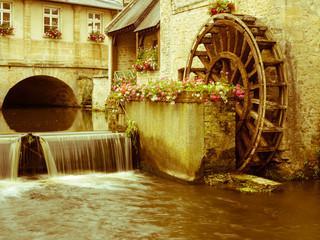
column 136, row 27
column 64, row 68
column 295, row 25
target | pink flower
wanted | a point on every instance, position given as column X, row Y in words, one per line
column 214, row 97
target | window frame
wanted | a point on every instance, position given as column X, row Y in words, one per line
column 94, row 22
column 51, row 16
column 10, row 11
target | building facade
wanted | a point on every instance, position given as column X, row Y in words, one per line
column 295, row 26
column 61, row 43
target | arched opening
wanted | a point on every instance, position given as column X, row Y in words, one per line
column 40, row 91
column 40, row 104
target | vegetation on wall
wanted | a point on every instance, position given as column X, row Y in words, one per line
column 96, row 37
column 53, row 33
column 147, row 59
column 170, row 91
column 6, row 29
column 221, row 6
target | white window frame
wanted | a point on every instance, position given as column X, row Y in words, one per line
column 94, row 21
column 51, row 16
column 2, row 10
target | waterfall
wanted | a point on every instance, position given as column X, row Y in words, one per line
column 64, row 153
column 50, row 163
column 82, row 152
column 9, row 156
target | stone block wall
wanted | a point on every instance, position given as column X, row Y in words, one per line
column 295, row 25
column 124, row 51
column 185, row 140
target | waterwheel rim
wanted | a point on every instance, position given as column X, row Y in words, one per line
column 234, row 43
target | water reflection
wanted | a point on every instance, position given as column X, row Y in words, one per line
column 50, row 119
column 137, row 206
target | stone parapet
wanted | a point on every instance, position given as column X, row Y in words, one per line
column 185, row 140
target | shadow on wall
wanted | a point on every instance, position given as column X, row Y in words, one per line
column 40, row 91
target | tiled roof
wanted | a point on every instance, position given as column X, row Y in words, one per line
column 108, row 4
column 151, row 20
column 132, row 16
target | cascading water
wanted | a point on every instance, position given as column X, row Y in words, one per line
column 64, row 153
column 84, row 152
column 9, row 156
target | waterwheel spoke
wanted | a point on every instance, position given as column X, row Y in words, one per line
column 217, row 43
column 205, row 61
column 230, row 47
column 243, row 48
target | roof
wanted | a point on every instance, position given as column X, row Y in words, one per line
column 151, row 20
column 132, row 16
column 108, row 4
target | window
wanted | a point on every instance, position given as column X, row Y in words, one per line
column 51, row 19
column 94, row 22
column 5, row 13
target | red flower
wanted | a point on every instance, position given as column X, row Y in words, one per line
column 213, row 11
column 214, row 97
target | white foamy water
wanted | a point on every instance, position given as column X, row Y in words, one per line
column 14, row 189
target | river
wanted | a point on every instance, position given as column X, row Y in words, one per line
column 134, row 205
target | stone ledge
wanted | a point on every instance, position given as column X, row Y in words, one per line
column 242, row 182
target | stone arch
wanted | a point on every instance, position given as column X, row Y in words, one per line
column 41, row 90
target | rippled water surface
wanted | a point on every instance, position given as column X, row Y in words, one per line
column 132, row 205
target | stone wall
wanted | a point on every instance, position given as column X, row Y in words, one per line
column 78, row 80
column 295, row 25
column 27, row 53
column 181, row 140
column 124, row 51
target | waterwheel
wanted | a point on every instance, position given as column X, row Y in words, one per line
column 243, row 50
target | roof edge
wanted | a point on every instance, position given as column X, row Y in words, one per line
column 118, row 16
column 137, row 22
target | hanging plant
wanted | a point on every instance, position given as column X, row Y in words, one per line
column 96, row 37
column 53, row 33
column 6, row 29
column 221, row 6
column 147, row 60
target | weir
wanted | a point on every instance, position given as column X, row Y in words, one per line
column 63, row 153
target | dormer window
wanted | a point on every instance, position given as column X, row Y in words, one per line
column 94, row 22
column 51, row 19
column 5, row 14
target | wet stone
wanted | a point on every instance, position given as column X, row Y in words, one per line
column 242, row 182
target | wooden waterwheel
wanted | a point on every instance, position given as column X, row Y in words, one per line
column 243, row 51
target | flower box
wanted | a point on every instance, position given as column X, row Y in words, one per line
column 221, row 6
column 6, row 30
column 53, row 33
column 147, row 60
column 96, row 37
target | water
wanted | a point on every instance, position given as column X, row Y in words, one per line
column 133, row 205
column 50, row 119
column 64, row 153
column 89, row 152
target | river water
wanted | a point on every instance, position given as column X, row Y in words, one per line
column 133, row 205
column 51, row 120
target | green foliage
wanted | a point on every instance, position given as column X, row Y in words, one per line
column 147, row 60
column 221, row 6
column 132, row 132
column 168, row 90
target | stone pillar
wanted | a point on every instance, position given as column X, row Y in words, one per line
column 110, row 61
column 76, row 34
column 27, row 29
column 101, row 90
